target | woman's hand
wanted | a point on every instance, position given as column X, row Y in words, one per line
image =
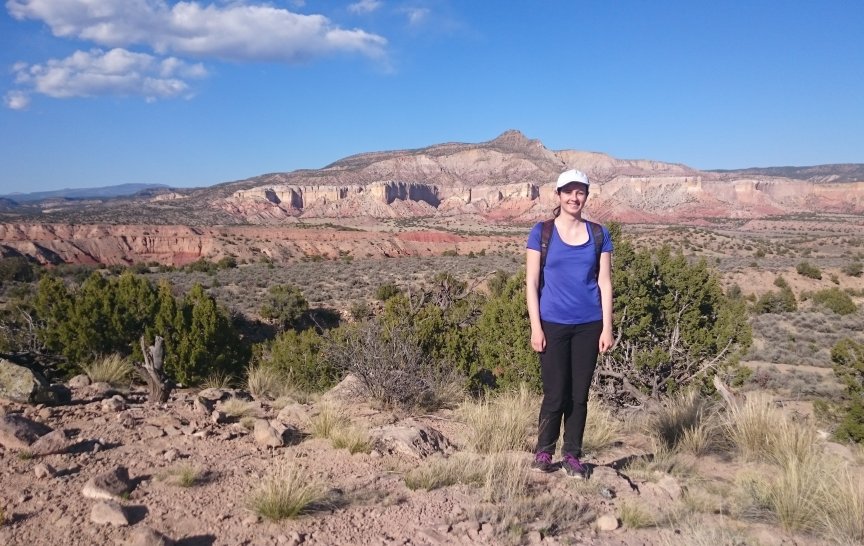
column 606, row 340
column 538, row 340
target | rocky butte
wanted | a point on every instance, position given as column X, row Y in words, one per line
column 503, row 181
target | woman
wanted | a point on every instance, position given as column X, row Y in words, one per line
column 570, row 307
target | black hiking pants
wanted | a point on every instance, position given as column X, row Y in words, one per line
column 567, row 368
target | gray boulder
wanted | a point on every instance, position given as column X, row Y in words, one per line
column 18, row 432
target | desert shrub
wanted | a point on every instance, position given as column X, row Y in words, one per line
column 674, row 324
column 16, row 268
column 835, row 300
column 228, row 262
column 684, row 422
column 284, row 305
column 386, row 291
column 109, row 315
column 806, row 269
column 853, row 269
column 360, row 310
column 298, row 356
column 847, row 356
column 388, row 362
column 504, row 356
column 201, row 265
column 776, row 302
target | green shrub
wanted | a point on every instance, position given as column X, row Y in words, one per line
column 776, row 302
column 298, row 356
column 16, row 268
column 853, row 269
column 386, row 291
column 806, row 269
column 284, row 305
column 835, row 300
column 848, row 358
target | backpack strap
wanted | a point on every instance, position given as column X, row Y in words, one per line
column 545, row 236
column 597, row 231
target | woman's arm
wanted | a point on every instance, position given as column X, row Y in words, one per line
column 532, row 295
column 604, row 281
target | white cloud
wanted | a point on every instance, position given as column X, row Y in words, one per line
column 416, row 15
column 364, row 6
column 114, row 72
column 236, row 31
column 17, row 100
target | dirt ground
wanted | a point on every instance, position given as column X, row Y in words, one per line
column 368, row 501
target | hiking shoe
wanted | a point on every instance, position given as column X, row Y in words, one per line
column 542, row 463
column 574, row 468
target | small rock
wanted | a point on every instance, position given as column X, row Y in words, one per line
column 218, row 417
column 18, row 432
column 44, row 470
column 266, row 435
column 46, row 413
column 114, row 404
column 607, row 523
column 81, row 380
column 412, row 439
column 535, row 537
column 671, row 486
column 145, row 536
column 607, row 493
column 202, row 406
column 54, row 395
column 56, row 441
column 172, row 431
column 433, row 536
column 108, row 485
column 251, row 520
column 171, row 455
column 108, row 512
column 151, row 431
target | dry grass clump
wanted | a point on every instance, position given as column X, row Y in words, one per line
column 438, row 472
column 843, row 512
column 602, row 429
column 500, row 422
column 547, row 513
column 112, row 369
column 660, row 461
column 685, row 423
column 329, row 419
column 634, row 516
column 184, row 475
column 217, row 380
column 353, row 438
column 287, row 493
column 761, row 432
column 501, row 477
column 237, row 408
column 791, row 496
column 700, row 533
column 264, row 381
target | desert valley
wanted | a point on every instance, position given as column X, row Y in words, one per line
column 279, row 431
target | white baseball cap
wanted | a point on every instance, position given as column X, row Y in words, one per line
column 570, row 176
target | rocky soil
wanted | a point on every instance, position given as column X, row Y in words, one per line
column 106, row 469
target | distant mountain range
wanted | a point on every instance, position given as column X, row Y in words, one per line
column 836, row 172
column 104, row 192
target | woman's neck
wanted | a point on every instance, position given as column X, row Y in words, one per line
column 570, row 219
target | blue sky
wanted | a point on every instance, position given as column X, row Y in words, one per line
column 104, row 92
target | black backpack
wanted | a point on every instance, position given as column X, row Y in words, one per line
column 546, row 234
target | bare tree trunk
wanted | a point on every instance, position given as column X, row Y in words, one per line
column 160, row 386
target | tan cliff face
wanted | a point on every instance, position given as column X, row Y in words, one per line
column 506, row 180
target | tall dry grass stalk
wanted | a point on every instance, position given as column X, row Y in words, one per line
column 440, row 472
column 750, row 425
column 505, row 477
column 217, row 380
column 112, row 369
column 286, row 493
column 238, row 409
column 687, row 422
column 634, row 515
column 501, row 422
column 329, row 419
column 264, row 381
column 843, row 514
column 351, row 437
column 602, row 429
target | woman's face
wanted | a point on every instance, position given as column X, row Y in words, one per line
column 572, row 197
